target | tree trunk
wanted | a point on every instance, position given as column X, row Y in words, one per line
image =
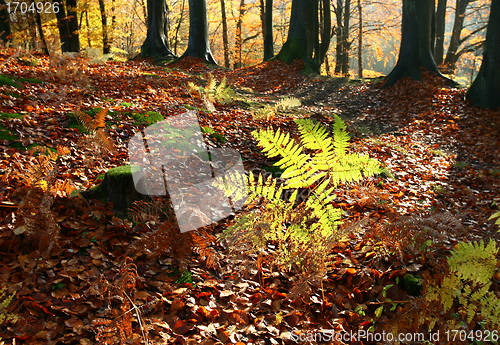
column 63, row 26
column 268, row 31
column 360, row 41
column 156, row 43
column 303, row 35
column 198, row 44
column 89, row 42
column 451, row 56
column 485, row 90
column 5, row 30
column 74, row 36
column 345, row 38
column 181, row 18
column 225, row 39
column 239, row 39
column 440, row 29
column 339, row 10
column 45, row 48
column 415, row 50
column 106, row 48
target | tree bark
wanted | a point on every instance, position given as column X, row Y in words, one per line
column 485, row 90
column 225, row 39
column 45, row 48
column 440, row 28
column 106, row 47
column 303, row 35
column 156, row 43
column 451, row 59
column 239, row 38
column 181, row 18
column 360, row 41
column 415, row 50
column 339, row 11
column 268, row 31
column 198, row 44
column 345, row 38
column 5, row 29
column 63, row 26
column 74, row 36
column 87, row 22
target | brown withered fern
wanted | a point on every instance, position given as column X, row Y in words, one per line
column 97, row 137
column 163, row 236
column 35, row 218
column 412, row 234
column 115, row 323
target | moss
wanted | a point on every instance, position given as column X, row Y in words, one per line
column 122, row 171
column 31, row 80
column 148, row 118
column 6, row 80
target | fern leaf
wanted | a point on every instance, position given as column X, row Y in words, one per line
column 100, row 119
column 341, row 138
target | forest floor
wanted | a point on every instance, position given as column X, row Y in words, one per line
column 81, row 275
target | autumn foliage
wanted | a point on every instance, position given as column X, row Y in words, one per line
column 80, row 274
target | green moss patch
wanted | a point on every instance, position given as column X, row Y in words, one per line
column 147, row 119
column 10, row 81
column 15, row 82
column 122, row 171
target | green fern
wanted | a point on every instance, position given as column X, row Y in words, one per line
column 472, row 266
column 331, row 159
column 221, row 93
column 5, row 300
column 303, row 233
column 496, row 215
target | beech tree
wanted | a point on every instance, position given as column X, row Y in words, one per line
column 416, row 41
column 5, row 30
column 266, row 12
column 106, row 44
column 198, row 44
column 303, row 34
column 485, row 89
column 68, row 26
column 457, row 40
column 156, row 43
column 440, row 28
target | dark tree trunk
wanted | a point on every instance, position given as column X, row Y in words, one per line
column 268, row 31
column 63, row 26
column 156, row 43
column 415, row 50
column 45, row 49
column 198, row 44
column 74, row 36
column 106, row 47
column 303, row 35
column 451, row 59
column 225, row 39
column 339, row 10
column 5, row 30
column 440, row 28
column 485, row 90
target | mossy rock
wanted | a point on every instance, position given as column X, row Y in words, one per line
column 117, row 187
